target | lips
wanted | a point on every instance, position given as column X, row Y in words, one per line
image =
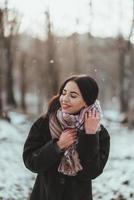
column 65, row 106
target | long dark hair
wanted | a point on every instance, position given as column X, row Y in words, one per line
column 87, row 86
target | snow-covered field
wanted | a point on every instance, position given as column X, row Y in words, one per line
column 15, row 179
column 116, row 183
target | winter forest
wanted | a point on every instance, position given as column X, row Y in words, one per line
column 42, row 45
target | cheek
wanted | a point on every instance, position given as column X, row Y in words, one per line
column 80, row 104
column 77, row 103
column 61, row 99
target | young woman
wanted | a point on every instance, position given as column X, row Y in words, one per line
column 68, row 147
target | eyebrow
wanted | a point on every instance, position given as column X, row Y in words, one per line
column 72, row 92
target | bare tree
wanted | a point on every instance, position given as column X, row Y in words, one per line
column 1, row 49
column 75, row 38
column 52, row 74
column 90, row 16
column 11, row 26
column 131, row 72
column 123, row 79
column 126, row 73
column 125, row 49
column 23, row 82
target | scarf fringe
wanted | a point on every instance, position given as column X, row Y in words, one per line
column 70, row 165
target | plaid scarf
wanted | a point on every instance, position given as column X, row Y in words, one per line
column 58, row 122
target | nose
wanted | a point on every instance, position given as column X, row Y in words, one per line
column 65, row 98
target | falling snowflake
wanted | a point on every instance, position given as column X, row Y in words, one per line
column 51, row 61
column 95, row 70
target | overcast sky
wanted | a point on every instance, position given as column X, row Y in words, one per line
column 109, row 17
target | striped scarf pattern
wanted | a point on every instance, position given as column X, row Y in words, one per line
column 70, row 162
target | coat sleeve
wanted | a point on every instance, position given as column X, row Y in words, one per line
column 93, row 151
column 40, row 151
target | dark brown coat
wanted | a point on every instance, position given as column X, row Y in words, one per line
column 42, row 156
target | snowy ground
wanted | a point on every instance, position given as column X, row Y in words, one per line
column 116, row 183
column 15, row 179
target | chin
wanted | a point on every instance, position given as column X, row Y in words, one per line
column 65, row 111
column 69, row 111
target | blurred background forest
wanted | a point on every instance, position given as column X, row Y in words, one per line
column 32, row 68
column 37, row 53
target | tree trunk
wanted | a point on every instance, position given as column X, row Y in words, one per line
column 10, row 94
column 1, row 49
column 23, row 83
column 0, row 89
column 123, row 76
column 123, row 91
column 76, row 53
column 52, row 74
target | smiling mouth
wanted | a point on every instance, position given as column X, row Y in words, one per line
column 65, row 106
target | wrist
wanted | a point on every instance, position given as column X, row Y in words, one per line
column 60, row 145
column 90, row 132
column 57, row 148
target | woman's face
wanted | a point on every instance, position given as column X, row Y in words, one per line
column 71, row 100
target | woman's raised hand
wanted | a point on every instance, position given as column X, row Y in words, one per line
column 92, row 122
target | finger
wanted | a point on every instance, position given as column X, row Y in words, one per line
column 90, row 113
column 97, row 115
column 73, row 136
column 67, row 131
column 71, row 130
column 69, row 142
column 86, row 115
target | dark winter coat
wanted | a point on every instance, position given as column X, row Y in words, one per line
column 42, row 155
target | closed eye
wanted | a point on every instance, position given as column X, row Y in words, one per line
column 73, row 96
column 72, row 93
